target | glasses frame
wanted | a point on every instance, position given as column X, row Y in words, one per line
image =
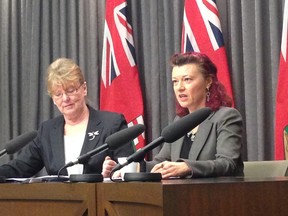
column 71, row 91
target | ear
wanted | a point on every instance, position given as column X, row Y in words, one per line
column 85, row 88
column 208, row 82
column 84, row 85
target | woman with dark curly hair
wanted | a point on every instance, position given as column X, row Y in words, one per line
column 213, row 148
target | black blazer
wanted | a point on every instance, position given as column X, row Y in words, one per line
column 47, row 149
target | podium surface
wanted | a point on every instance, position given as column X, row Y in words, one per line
column 177, row 197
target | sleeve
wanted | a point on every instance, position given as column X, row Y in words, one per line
column 163, row 155
column 27, row 163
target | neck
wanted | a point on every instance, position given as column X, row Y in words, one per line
column 196, row 107
column 81, row 117
column 194, row 130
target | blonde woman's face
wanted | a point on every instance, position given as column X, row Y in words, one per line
column 189, row 86
column 70, row 100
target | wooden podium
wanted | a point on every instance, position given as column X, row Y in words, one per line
column 65, row 199
column 199, row 197
column 214, row 196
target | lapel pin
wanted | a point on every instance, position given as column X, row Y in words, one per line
column 93, row 134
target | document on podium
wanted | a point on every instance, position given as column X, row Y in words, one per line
column 47, row 178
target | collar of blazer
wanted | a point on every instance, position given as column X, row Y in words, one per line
column 93, row 132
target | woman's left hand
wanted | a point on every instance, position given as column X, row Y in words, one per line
column 171, row 169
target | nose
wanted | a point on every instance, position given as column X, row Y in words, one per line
column 180, row 85
column 65, row 97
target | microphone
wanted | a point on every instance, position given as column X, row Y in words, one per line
column 112, row 142
column 169, row 134
column 17, row 143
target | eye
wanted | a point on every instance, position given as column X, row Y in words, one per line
column 187, row 79
column 58, row 94
column 174, row 82
column 70, row 90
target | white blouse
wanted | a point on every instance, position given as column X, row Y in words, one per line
column 73, row 145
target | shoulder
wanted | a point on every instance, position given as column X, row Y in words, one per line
column 100, row 114
column 53, row 122
column 106, row 117
column 225, row 114
column 224, row 111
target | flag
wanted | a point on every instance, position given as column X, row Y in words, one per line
column 201, row 32
column 120, row 89
column 281, row 118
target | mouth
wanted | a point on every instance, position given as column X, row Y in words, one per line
column 182, row 96
column 68, row 106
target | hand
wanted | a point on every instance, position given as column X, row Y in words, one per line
column 107, row 167
column 172, row 169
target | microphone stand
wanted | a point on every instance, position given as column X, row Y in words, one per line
column 81, row 177
column 137, row 176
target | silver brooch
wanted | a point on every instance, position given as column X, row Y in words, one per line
column 93, row 134
column 191, row 136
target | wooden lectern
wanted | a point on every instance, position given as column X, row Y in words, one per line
column 48, row 199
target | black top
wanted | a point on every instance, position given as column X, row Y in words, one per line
column 187, row 143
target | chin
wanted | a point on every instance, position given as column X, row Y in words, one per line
column 184, row 105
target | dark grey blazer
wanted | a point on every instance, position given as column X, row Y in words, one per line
column 47, row 149
column 216, row 150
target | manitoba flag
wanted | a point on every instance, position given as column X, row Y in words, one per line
column 281, row 119
column 201, row 32
column 120, row 86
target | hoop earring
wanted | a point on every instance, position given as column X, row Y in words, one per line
column 208, row 95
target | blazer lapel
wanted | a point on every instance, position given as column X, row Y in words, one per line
column 176, row 149
column 200, row 139
column 93, row 133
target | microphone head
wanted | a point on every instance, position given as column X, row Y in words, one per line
column 124, row 136
column 19, row 142
column 182, row 126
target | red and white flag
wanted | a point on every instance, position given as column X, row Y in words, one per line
column 120, row 85
column 201, row 32
column 281, row 118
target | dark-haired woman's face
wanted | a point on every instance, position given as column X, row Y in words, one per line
column 189, row 86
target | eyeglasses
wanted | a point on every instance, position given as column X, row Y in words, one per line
column 69, row 92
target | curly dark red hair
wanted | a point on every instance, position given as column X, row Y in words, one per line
column 218, row 94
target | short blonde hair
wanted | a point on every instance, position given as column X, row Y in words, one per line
column 63, row 72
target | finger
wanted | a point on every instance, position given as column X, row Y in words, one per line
column 166, row 173
column 157, row 167
column 107, row 158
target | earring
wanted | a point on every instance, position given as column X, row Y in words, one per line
column 208, row 95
